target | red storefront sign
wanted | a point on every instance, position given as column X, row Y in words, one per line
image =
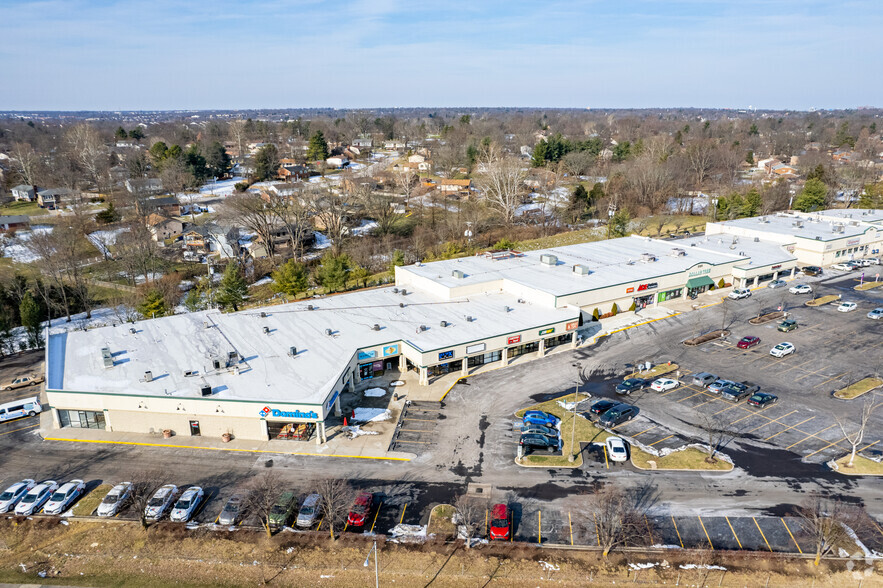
column 572, row 325
column 513, row 340
column 629, row 290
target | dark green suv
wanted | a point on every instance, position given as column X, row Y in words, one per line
column 283, row 510
column 787, row 325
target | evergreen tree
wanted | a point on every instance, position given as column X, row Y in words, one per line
column 619, row 224
column 152, row 306
column 136, row 133
column 750, row 158
column 193, row 302
column 291, row 278
column 579, row 200
column 232, row 290
column 819, row 173
column 31, row 319
column 622, row 151
column 195, row 163
column 812, row 197
column 596, row 193
column 121, row 133
column 538, row 157
column 872, row 196
column 753, row 130
column 317, row 149
column 108, row 215
column 333, row 272
column 398, row 259
column 752, row 203
column 217, row 160
column 266, row 163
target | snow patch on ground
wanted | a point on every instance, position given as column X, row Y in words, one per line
column 364, row 228
column 104, row 239
column 264, row 280
column 16, row 248
column 375, row 393
column 701, row 567
column 354, row 431
column 402, row 533
column 322, row 242
column 549, row 567
column 371, row 415
column 224, row 188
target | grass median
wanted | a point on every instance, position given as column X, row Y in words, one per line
column 686, row 459
column 655, row 372
column 868, row 286
column 859, row 388
column 586, row 432
column 861, row 466
column 821, row 301
column 88, row 503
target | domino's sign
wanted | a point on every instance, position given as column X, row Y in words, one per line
column 296, row 414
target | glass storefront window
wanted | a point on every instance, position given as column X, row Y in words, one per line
column 671, row 294
column 559, row 340
column 490, row 357
column 81, row 419
column 525, row 348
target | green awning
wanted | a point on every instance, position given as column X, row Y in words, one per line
column 699, row 282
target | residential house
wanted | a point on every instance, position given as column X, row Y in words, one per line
column 286, row 190
column 783, row 171
column 54, row 198
column 416, row 158
column 14, row 222
column 25, row 192
column 167, row 205
column 462, row 187
column 162, row 227
column 399, row 145
column 337, row 161
column 144, row 186
column 292, row 172
column 363, row 142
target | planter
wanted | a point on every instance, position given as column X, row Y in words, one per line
column 225, row 437
column 166, row 433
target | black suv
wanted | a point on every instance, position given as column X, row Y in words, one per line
column 631, row 384
column 535, row 440
column 539, row 430
column 812, row 270
column 618, row 414
column 738, row 390
column 602, row 406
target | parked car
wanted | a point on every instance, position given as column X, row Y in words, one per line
column 35, row 498
column 703, row 379
column 664, row 384
column 777, row 284
column 876, row 314
column 739, row 294
column 19, row 408
column 539, row 430
column 873, row 260
column 861, row 262
column 844, row 267
column 160, row 502
column 812, row 270
column 738, row 390
column 630, row 385
column 187, row 504
column 537, row 441
column 748, row 342
column 115, row 500
column 283, row 509
column 847, row 306
column 501, row 523
column 360, row 510
column 538, row 417
column 762, row 399
column 801, row 289
column 14, row 493
column 65, row 496
column 787, row 325
column 782, row 349
column 602, row 406
column 619, row 414
column 231, row 514
column 718, row 385
column 616, row 450
column 309, row 511
column 24, row 381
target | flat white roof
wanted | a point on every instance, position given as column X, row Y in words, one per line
column 611, row 262
column 170, row 346
column 756, row 253
column 867, row 215
column 813, row 226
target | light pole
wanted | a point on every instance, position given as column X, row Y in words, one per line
column 376, row 570
column 571, row 458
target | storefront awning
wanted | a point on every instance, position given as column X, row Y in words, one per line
column 699, row 282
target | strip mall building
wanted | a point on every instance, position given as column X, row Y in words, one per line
column 280, row 372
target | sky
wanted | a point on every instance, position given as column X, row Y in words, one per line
column 231, row 54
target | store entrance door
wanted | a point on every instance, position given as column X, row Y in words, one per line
column 366, row 371
column 642, row 302
column 194, row 429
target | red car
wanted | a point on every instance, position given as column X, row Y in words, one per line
column 748, row 342
column 500, row 522
column 360, row 510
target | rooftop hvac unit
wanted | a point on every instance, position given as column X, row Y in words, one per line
column 376, row 327
column 133, row 330
column 757, row 239
column 232, row 357
column 798, row 224
column 677, row 252
column 328, row 332
column 263, row 314
column 266, row 330
column 853, row 223
column 403, row 292
column 292, row 351
column 581, row 270
column 443, row 324
column 521, row 301
column 216, row 363
column 838, row 228
column 647, row 257
column 549, row 259
column 459, row 274
column 189, row 373
column 423, row 327
column 148, row 376
column 205, row 390
column 469, row 319
column 106, row 357
column 309, row 307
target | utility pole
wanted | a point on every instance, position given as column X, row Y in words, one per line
column 571, row 458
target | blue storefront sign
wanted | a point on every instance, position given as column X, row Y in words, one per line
column 331, row 400
column 367, row 355
column 446, row 354
column 296, row 414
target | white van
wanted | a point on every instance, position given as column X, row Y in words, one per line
column 20, row 408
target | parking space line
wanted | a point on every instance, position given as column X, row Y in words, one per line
column 21, row 429
column 789, row 428
column 322, row 520
column 649, row 532
column 868, row 445
column 726, row 409
column 706, row 533
column 811, row 435
column 374, row 522
column 761, row 534
column 597, row 532
column 792, row 535
column 751, row 414
column 644, row 431
column 829, row 379
column 712, row 399
column 402, row 518
column 676, row 531
column 421, row 420
column 661, row 440
column 824, row 448
column 570, row 524
column 734, row 531
column 691, row 396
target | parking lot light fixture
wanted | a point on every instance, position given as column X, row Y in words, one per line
column 376, row 569
column 571, row 458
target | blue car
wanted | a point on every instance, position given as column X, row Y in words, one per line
column 538, row 417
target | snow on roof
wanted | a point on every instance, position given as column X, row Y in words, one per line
column 168, row 347
column 610, row 262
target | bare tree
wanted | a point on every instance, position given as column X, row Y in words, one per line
column 332, row 214
column 27, row 162
column 502, row 182
column 857, row 432
column 256, row 214
column 829, row 523
column 470, row 514
column 337, row 498
column 238, row 135
column 263, row 492
column 88, row 151
column 618, row 517
column 717, row 433
column 144, row 484
column 406, row 180
column 702, row 159
column 292, row 214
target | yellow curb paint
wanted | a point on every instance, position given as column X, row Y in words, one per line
column 225, row 449
column 570, row 524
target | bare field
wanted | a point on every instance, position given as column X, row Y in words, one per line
column 101, row 554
